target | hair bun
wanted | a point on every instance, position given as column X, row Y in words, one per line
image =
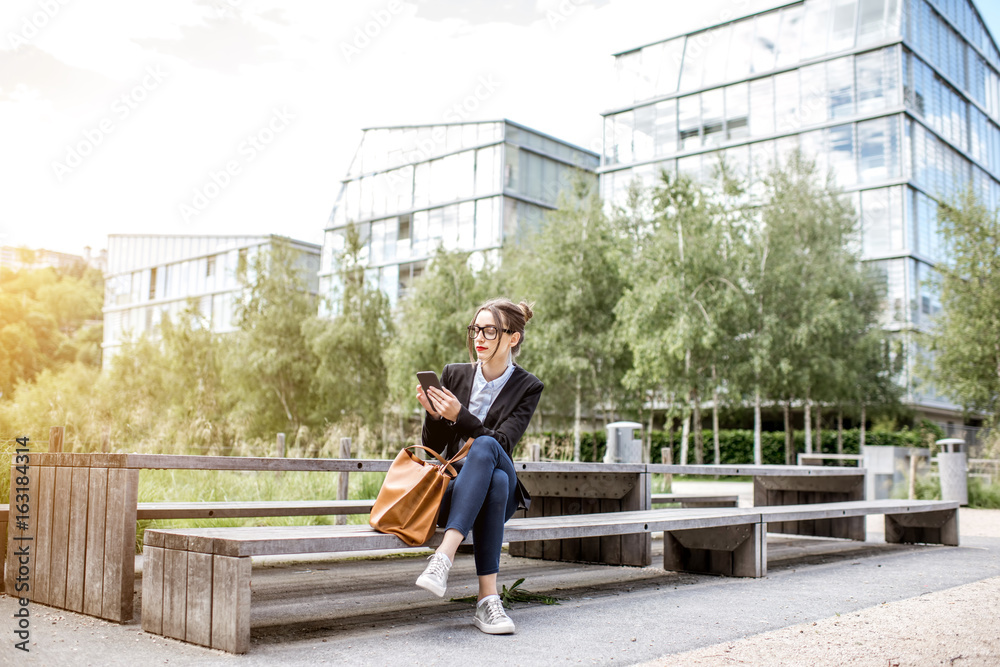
column 526, row 310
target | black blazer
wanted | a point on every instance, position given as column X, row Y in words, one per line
column 506, row 420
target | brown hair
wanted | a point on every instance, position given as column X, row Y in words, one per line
column 507, row 315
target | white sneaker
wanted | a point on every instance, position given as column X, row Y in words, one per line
column 435, row 576
column 492, row 619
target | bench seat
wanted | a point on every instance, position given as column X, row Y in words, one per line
column 196, row 582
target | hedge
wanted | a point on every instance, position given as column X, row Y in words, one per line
column 735, row 446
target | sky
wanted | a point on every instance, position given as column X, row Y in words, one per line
column 214, row 117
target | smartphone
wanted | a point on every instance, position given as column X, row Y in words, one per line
column 429, row 379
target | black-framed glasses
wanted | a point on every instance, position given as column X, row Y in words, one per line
column 489, row 331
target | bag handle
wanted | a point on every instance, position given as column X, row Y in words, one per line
column 446, row 465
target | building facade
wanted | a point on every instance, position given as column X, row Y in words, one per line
column 463, row 186
column 899, row 99
column 151, row 276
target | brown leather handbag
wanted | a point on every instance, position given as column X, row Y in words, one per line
column 410, row 498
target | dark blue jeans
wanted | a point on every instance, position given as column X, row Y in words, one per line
column 481, row 499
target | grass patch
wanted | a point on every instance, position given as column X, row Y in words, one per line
column 508, row 596
column 226, row 485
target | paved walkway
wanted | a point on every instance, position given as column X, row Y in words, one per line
column 369, row 612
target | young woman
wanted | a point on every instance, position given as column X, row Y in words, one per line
column 491, row 400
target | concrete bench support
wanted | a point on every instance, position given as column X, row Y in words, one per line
column 923, row 528
column 792, row 490
column 733, row 551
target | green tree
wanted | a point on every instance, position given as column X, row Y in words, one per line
column 351, row 374
column 813, row 303
column 570, row 269
column 275, row 373
column 431, row 321
column 680, row 306
column 965, row 340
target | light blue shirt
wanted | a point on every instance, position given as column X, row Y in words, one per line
column 484, row 393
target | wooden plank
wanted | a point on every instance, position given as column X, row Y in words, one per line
column 571, row 547
column 595, row 484
column 97, row 499
column 590, row 547
column 175, row 577
column 227, row 510
column 185, row 462
column 534, row 548
column 59, row 550
column 755, row 470
column 552, row 549
column 152, row 589
column 43, row 537
column 119, row 544
column 199, row 599
column 76, row 555
column 516, row 548
column 3, row 555
column 637, row 548
column 231, row 604
column 22, row 582
column 611, row 546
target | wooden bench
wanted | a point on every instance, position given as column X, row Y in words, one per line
column 218, row 510
column 196, row 582
column 84, row 508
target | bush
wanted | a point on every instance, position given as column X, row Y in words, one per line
column 982, row 495
column 735, row 446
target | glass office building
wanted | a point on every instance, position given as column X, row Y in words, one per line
column 899, row 98
column 463, row 186
column 149, row 277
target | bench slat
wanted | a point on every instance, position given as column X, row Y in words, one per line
column 239, row 509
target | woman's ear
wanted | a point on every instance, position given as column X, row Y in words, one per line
column 515, row 338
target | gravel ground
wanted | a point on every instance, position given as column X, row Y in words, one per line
column 959, row 626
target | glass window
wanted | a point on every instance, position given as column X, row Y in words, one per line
column 711, row 117
column 871, row 21
column 815, row 28
column 716, row 56
column 694, row 55
column 765, row 41
column 623, row 137
column 463, row 172
column 878, row 149
column 627, row 74
column 840, row 87
column 669, row 66
column 421, row 234
column 466, row 225
column 487, row 170
column 738, row 66
column 871, row 87
column 790, row 37
column 842, row 28
column 642, row 137
column 688, row 110
column 737, row 111
column 511, row 178
column 665, row 129
column 786, row 101
column 841, row 147
column 813, row 94
column 487, row 223
column 761, row 107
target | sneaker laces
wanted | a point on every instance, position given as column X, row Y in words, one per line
column 494, row 610
column 438, row 567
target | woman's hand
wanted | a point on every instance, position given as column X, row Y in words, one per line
column 425, row 402
column 448, row 406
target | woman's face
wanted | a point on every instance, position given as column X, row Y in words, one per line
column 484, row 347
